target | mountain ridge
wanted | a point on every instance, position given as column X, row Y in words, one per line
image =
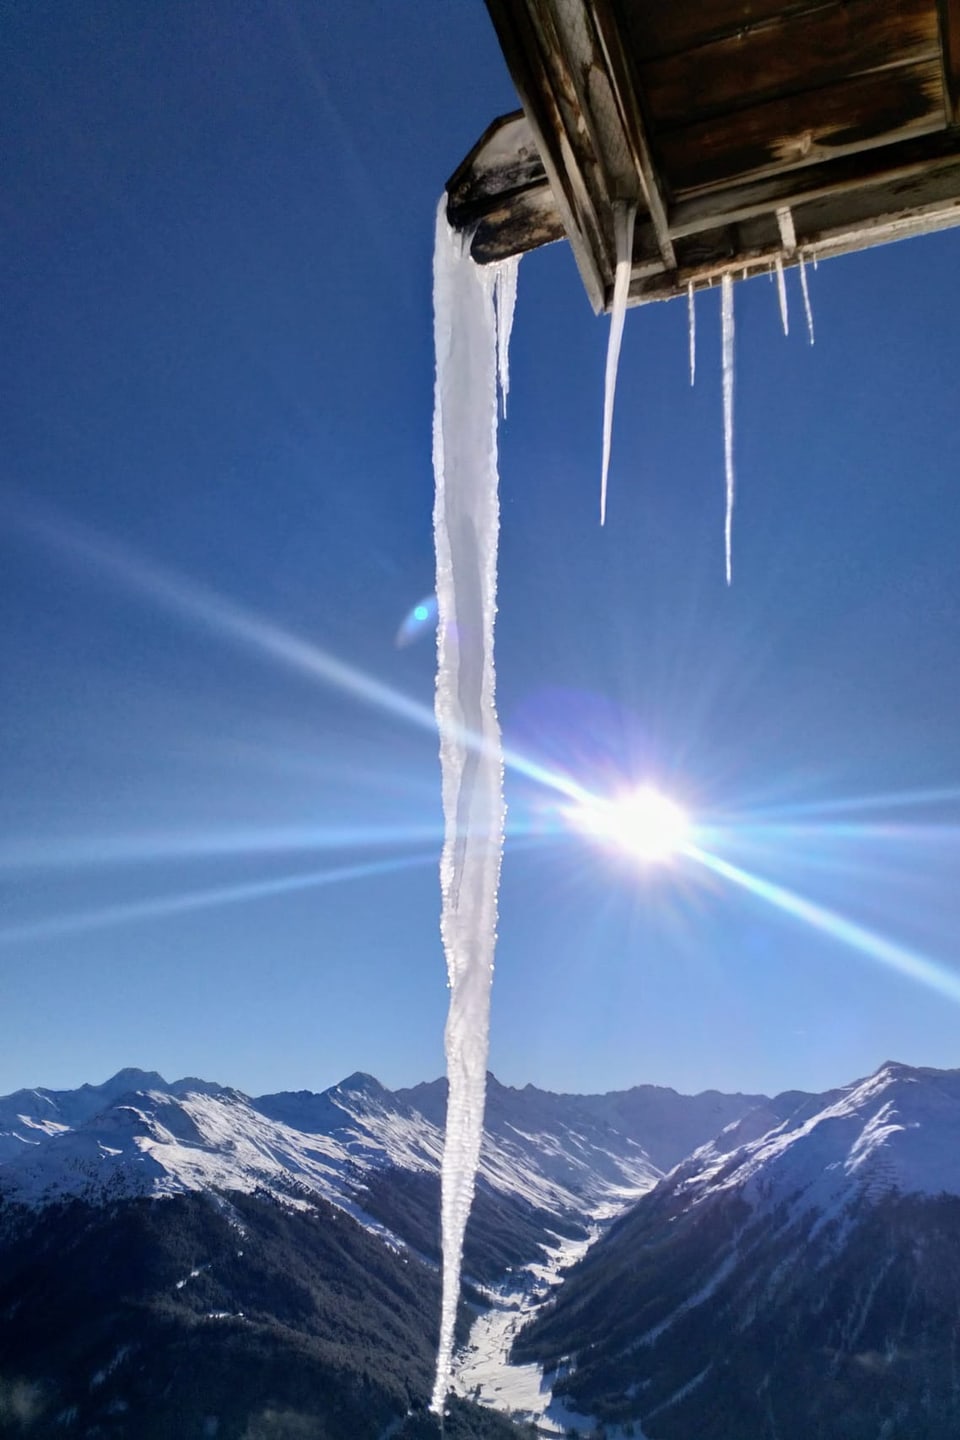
column 556, row 1152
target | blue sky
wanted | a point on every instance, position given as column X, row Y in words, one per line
column 217, row 409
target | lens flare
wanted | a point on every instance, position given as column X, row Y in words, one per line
column 421, row 620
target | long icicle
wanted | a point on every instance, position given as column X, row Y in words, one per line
column 806, row 299
column 782, row 295
column 466, row 526
column 624, row 216
column 726, row 314
column 692, row 331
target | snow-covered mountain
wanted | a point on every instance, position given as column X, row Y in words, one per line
column 597, row 1140
column 898, row 1129
column 180, row 1258
column 137, row 1134
column 799, row 1275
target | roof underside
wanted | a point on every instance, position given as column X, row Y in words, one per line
column 743, row 130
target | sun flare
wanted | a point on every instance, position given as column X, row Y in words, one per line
column 643, row 823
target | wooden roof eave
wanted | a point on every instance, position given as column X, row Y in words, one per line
column 582, row 143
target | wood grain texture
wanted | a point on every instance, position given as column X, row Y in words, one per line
column 527, row 39
column 666, row 27
column 950, row 33
column 515, row 224
column 799, row 130
column 623, row 80
column 792, row 54
column 908, row 160
column 504, row 159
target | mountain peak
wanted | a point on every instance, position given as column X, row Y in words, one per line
column 360, row 1083
column 131, row 1078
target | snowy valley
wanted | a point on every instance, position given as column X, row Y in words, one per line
column 640, row 1263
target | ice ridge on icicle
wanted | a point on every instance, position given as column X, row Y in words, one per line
column 624, row 216
column 470, row 355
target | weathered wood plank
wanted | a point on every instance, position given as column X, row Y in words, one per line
column 950, row 33
column 798, row 130
column 505, row 158
column 741, row 201
column 531, row 61
column 515, row 224
column 893, row 201
column 704, row 259
column 792, row 54
column 623, row 83
column 665, row 27
column 500, row 193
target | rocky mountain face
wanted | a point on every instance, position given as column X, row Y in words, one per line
column 799, row 1276
column 180, row 1259
column 588, row 1132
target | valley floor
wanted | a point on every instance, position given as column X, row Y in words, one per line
column 482, row 1370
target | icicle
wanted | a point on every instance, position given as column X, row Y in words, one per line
column 806, row 298
column 692, row 328
column 726, row 312
column 466, row 523
column 788, row 230
column 782, row 293
column 506, row 297
column 624, row 216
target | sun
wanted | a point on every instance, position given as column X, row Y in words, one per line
column 644, row 823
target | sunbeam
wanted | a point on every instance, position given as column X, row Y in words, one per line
column 159, row 908
column 149, row 846
column 850, row 805
column 224, row 617
column 914, row 966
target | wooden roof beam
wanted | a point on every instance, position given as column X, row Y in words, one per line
column 500, row 194
column 949, row 13
column 829, row 225
column 528, row 59
column 635, row 131
column 744, row 200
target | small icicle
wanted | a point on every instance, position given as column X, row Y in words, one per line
column 692, row 328
column 726, row 314
column 505, row 295
column 624, row 216
column 806, row 298
column 782, row 293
